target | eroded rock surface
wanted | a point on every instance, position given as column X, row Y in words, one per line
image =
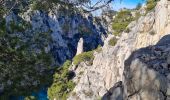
column 65, row 29
column 108, row 65
column 147, row 72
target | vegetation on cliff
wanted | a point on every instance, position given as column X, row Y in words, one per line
column 22, row 68
column 112, row 41
column 83, row 57
column 25, row 65
column 150, row 4
column 121, row 21
column 62, row 83
column 124, row 17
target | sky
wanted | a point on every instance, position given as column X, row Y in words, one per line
column 118, row 4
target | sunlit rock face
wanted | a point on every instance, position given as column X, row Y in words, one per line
column 109, row 67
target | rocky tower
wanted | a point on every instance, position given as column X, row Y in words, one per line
column 80, row 47
column 109, row 75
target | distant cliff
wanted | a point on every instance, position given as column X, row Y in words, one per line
column 38, row 42
column 66, row 30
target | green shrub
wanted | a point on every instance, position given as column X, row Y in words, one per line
column 120, row 27
column 30, row 98
column 81, row 72
column 2, row 27
column 121, row 21
column 127, row 30
column 150, row 4
column 2, row 11
column 62, row 84
column 97, row 20
column 19, row 60
column 112, row 41
column 19, row 27
column 152, row 32
column 74, row 94
column 137, row 15
column 99, row 98
column 98, row 49
column 123, row 14
column 40, row 5
column 116, row 33
column 85, row 56
column 88, row 93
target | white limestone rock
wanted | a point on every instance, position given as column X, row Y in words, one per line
column 108, row 65
column 80, row 47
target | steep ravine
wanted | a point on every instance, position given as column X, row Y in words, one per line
column 112, row 74
column 57, row 33
column 133, row 66
column 66, row 30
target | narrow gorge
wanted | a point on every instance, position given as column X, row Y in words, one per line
column 67, row 53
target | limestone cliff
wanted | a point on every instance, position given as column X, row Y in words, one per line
column 65, row 29
column 97, row 81
column 57, row 32
column 146, row 74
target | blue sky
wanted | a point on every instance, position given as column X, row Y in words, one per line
column 118, row 4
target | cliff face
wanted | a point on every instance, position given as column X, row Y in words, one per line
column 146, row 74
column 63, row 31
column 109, row 65
column 136, row 68
column 66, row 32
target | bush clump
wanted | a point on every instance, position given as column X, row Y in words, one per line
column 88, row 93
column 152, row 32
column 19, row 27
column 112, row 41
column 127, row 30
column 30, row 98
column 98, row 49
column 121, row 21
column 150, row 4
column 85, row 56
column 19, row 59
column 62, row 83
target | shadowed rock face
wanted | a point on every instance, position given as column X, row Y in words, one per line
column 115, row 93
column 65, row 31
column 147, row 71
column 146, row 74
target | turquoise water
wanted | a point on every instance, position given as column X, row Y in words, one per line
column 41, row 95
